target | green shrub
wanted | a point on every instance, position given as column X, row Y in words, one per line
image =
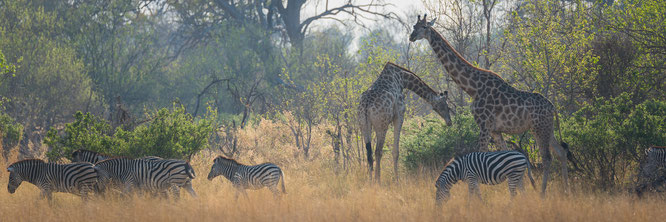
column 430, row 143
column 609, row 137
column 10, row 131
column 168, row 134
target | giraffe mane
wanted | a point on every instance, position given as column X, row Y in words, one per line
column 409, row 71
column 461, row 57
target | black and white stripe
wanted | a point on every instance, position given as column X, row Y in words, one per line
column 186, row 184
column 76, row 178
column 156, row 176
column 484, row 167
column 89, row 156
column 248, row 177
column 656, row 156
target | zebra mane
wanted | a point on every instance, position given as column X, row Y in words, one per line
column 29, row 161
column 659, row 147
column 226, row 159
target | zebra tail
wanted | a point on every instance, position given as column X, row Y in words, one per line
column 284, row 191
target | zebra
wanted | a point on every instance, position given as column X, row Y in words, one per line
column 82, row 155
column 157, row 176
column 486, row 167
column 75, row 178
column 248, row 177
column 649, row 175
column 187, row 185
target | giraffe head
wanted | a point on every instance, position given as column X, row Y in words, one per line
column 421, row 29
column 440, row 105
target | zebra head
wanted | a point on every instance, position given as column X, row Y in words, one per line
column 442, row 194
column 14, row 180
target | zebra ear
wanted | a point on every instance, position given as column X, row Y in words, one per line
column 10, row 169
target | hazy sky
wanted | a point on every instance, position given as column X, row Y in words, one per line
column 399, row 7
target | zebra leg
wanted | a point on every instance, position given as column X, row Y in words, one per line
column 276, row 192
column 175, row 190
column 473, row 187
column 515, row 181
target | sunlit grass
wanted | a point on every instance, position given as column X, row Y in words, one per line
column 317, row 194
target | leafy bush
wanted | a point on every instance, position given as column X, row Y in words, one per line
column 609, row 136
column 10, row 131
column 429, row 143
column 168, row 134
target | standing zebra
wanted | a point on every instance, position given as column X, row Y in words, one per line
column 154, row 176
column 486, row 167
column 248, row 177
column 93, row 157
column 76, row 178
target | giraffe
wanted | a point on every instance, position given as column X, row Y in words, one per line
column 497, row 106
column 383, row 103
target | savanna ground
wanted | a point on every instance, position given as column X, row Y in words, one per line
column 316, row 193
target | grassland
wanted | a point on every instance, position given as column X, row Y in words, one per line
column 316, row 193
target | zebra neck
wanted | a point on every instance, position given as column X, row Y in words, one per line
column 33, row 173
column 228, row 171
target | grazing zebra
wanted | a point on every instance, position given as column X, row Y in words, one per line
column 248, row 177
column 89, row 156
column 76, row 178
column 157, row 176
column 486, row 167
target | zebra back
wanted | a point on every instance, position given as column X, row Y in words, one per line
column 82, row 155
column 656, row 155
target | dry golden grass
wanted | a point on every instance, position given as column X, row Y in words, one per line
column 316, row 193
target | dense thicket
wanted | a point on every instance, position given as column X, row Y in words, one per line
column 98, row 74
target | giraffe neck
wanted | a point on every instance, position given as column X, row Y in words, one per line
column 462, row 72
column 412, row 82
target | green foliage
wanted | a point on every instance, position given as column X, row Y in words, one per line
column 609, row 135
column 168, row 134
column 430, row 143
column 86, row 132
column 49, row 82
column 10, row 131
column 5, row 68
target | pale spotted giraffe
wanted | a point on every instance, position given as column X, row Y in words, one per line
column 383, row 103
column 498, row 107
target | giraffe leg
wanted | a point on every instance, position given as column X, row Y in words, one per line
column 499, row 140
column 547, row 160
column 366, row 129
column 397, row 126
column 379, row 149
column 562, row 157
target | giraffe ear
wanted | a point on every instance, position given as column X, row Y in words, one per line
column 432, row 22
